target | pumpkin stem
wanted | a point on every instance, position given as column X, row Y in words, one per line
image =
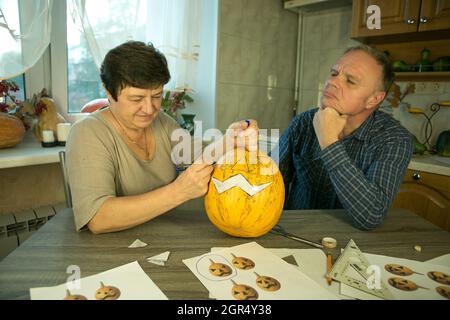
column 256, row 274
column 234, row 283
column 211, row 260
column 233, row 255
column 68, row 292
column 102, row 284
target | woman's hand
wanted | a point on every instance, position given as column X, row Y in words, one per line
column 193, row 182
column 245, row 134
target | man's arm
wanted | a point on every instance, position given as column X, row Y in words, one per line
column 367, row 197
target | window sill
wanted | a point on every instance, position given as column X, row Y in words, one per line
column 28, row 152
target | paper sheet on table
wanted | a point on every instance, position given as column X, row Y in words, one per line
column 137, row 244
column 130, row 279
column 421, row 280
column 159, row 259
column 441, row 261
column 294, row 283
column 312, row 262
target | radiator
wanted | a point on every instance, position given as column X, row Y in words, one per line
column 16, row 228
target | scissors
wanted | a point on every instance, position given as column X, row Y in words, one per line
column 277, row 229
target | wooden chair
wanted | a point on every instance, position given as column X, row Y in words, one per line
column 67, row 194
column 426, row 202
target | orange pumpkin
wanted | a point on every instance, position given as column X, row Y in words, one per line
column 246, row 194
column 12, row 130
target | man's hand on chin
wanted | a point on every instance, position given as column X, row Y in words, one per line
column 328, row 125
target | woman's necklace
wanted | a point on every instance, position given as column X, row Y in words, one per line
column 145, row 150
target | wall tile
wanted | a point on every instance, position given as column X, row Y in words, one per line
column 286, row 67
column 268, row 72
column 252, row 27
column 312, row 33
column 335, row 31
column 250, row 102
column 308, row 100
column 231, row 17
column 229, row 59
column 255, row 62
column 284, row 111
column 310, row 70
column 227, row 105
column 327, row 59
column 288, row 28
column 250, row 62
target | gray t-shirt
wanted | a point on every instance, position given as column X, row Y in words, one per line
column 100, row 165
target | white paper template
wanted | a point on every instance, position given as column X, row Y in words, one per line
column 240, row 182
column 130, row 279
column 294, row 283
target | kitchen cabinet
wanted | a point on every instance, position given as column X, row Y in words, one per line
column 427, row 195
column 407, row 27
column 401, row 17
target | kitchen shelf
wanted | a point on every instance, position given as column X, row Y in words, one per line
column 423, row 76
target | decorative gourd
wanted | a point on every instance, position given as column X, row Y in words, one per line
column 48, row 119
column 12, row 130
column 246, row 194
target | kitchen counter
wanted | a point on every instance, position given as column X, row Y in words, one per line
column 431, row 163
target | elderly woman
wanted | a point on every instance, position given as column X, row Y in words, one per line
column 119, row 160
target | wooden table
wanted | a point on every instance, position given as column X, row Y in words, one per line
column 43, row 259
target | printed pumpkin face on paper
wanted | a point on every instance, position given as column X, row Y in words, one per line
column 107, row 292
column 267, row 283
column 243, row 292
column 398, row 270
column 246, row 194
column 242, row 263
column 439, row 277
column 70, row 296
column 219, row 269
column 403, row 284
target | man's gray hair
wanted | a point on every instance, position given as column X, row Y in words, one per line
column 382, row 59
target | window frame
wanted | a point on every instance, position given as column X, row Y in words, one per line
column 58, row 61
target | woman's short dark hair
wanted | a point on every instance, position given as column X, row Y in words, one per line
column 382, row 59
column 133, row 64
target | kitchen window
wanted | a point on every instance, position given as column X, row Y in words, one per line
column 171, row 25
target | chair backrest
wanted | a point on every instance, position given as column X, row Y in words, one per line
column 62, row 161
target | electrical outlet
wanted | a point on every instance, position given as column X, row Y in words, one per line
column 436, row 87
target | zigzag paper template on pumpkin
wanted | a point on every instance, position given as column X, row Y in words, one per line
column 240, row 182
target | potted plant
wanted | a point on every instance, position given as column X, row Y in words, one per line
column 176, row 100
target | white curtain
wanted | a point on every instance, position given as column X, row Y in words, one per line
column 171, row 25
column 24, row 34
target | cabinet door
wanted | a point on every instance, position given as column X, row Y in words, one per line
column 425, row 202
column 397, row 16
column 434, row 15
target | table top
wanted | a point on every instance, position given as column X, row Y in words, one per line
column 43, row 259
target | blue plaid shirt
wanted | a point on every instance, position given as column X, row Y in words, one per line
column 361, row 173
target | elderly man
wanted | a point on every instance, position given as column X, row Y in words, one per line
column 347, row 154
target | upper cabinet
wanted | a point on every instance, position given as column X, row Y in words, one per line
column 434, row 15
column 401, row 17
